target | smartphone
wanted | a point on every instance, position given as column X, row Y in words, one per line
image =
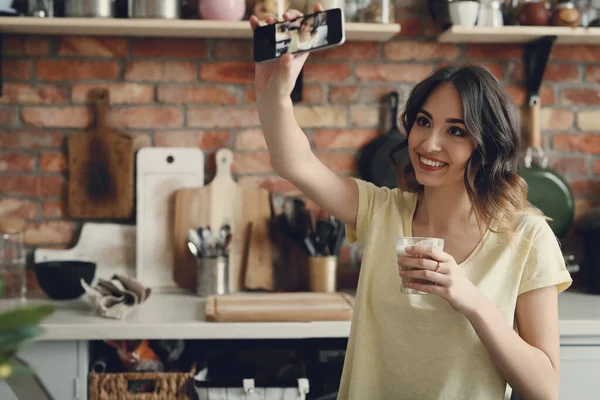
column 310, row 32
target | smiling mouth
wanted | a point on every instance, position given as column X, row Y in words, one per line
column 430, row 164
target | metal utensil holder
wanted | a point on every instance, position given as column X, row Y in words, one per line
column 213, row 276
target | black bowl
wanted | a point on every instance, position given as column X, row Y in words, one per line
column 60, row 280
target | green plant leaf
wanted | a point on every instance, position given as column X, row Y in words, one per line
column 24, row 316
column 14, row 339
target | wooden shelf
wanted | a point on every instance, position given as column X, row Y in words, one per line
column 167, row 28
column 519, row 34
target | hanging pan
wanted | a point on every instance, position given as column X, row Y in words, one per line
column 547, row 190
column 374, row 163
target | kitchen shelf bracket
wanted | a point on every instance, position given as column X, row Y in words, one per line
column 536, row 56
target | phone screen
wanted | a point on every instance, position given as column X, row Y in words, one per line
column 307, row 33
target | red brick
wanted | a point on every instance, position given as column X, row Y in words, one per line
column 250, row 140
column 227, row 72
column 392, row 72
column 250, row 95
column 55, row 117
column 402, row 50
column 54, row 209
column 26, row 45
column 18, row 208
column 561, row 73
column 589, row 120
column 30, row 140
column 16, row 162
column 596, row 167
column 556, row 119
column 72, row 70
column 568, row 165
column 351, row 139
column 327, row 72
column 578, row 53
column 119, row 93
column 206, row 140
column 13, row 185
column 271, row 183
column 519, row 95
column 53, row 186
column 92, row 46
column 171, row 48
column 177, row 94
column 49, row 232
column 592, row 74
column 16, row 70
column 343, row 94
column 580, row 96
column 8, row 116
column 571, row 142
column 350, row 51
column 238, row 50
column 320, row 116
column 338, row 162
column 312, row 94
column 158, row 71
column 22, row 93
column 251, row 163
column 495, row 52
column 145, row 117
column 365, row 116
column 410, row 26
column 222, row 117
column 431, row 29
column 584, row 187
column 53, row 162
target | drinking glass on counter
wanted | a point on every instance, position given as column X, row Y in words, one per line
column 12, row 266
column 404, row 242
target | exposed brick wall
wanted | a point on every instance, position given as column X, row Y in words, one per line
column 185, row 92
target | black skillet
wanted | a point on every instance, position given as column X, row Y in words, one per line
column 374, row 163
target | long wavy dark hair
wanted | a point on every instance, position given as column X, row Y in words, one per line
column 495, row 190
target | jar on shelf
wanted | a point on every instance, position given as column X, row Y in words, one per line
column 376, row 11
column 565, row 13
column 264, row 8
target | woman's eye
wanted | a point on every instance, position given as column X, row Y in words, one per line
column 422, row 121
column 454, row 131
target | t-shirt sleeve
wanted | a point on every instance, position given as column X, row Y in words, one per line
column 545, row 264
column 370, row 199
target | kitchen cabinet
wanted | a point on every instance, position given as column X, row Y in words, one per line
column 579, row 372
column 60, row 365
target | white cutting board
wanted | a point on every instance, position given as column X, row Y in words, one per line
column 110, row 246
column 161, row 171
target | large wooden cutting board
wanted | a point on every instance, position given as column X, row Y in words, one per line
column 100, row 169
column 279, row 307
column 245, row 208
column 161, row 172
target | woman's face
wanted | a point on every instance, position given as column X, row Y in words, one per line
column 439, row 145
column 307, row 25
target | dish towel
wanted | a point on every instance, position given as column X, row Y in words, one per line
column 117, row 297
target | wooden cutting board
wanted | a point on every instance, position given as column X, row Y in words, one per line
column 279, row 307
column 101, row 183
column 221, row 200
column 161, row 172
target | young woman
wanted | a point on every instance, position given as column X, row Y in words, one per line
column 490, row 322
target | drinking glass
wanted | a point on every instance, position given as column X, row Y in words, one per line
column 12, row 266
column 404, row 242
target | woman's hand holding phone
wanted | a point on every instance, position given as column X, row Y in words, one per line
column 275, row 80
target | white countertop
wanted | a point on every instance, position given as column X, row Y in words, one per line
column 172, row 316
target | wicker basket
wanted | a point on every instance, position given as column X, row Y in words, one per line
column 165, row 385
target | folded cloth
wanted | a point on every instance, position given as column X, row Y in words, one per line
column 117, row 297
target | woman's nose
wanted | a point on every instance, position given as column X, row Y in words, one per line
column 433, row 143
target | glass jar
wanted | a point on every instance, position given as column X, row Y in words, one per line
column 375, row 11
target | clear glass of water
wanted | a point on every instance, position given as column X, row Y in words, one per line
column 404, row 242
column 12, row 266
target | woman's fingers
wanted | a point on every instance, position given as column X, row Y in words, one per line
column 426, row 275
column 318, row 7
column 291, row 14
column 415, row 262
column 254, row 22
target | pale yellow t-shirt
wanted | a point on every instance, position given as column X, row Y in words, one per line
column 418, row 347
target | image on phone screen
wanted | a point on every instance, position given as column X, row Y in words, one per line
column 307, row 33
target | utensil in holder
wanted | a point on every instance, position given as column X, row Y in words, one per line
column 213, row 276
column 323, row 273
